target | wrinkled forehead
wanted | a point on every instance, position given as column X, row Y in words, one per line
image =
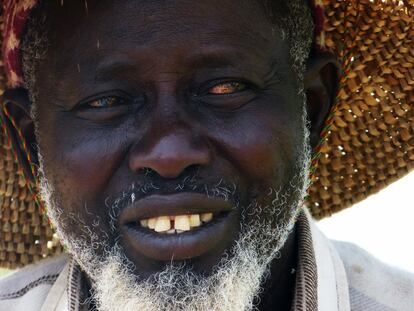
column 80, row 14
column 17, row 12
column 157, row 22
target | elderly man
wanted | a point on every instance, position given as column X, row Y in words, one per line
column 173, row 140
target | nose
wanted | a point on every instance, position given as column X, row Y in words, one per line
column 170, row 155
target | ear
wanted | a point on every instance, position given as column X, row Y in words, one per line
column 321, row 85
column 16, row 116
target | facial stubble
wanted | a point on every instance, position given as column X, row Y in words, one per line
column 235, row 281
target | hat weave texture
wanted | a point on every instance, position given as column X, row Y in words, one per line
column 368, row 141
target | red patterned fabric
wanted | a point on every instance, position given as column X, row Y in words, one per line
column 319, row 19
column 17, row 12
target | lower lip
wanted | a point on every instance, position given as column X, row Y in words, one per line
column 186, row 245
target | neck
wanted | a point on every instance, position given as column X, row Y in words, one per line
column 279, row 287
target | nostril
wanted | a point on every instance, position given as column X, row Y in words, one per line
column 147, row 171
column 191, row 171
column 170, row 156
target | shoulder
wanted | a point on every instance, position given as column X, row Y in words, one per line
column 374, row 285
column 27, row 288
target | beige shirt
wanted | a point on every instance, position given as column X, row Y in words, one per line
column 330, row 276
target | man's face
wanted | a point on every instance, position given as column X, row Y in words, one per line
column 148, row 110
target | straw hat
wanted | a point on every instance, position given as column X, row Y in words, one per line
column 368, row 141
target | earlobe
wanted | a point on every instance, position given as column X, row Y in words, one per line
column 15, row 114
column 321, row 84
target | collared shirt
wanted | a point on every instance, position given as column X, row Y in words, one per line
column 330, row 276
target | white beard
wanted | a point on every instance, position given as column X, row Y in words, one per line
column 234, row 283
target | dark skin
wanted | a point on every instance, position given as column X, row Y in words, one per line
column 145, row 90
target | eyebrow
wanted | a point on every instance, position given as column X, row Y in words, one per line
column 107, row 69
column 120, row 65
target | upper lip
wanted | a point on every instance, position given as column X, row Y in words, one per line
column 172, row 205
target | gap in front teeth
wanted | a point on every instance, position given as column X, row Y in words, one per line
column 176, row 224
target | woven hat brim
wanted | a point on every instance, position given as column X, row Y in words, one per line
column 370, row 142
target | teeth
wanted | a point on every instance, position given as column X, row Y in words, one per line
column 195, row 220
column 151, row 223
column 206, row 217
column 182, row 222
column 176, row 224
column 144, row 223
column 163, row 224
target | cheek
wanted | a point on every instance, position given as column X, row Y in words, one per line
column 81, row 164
column 91, row 161
column 262, row 147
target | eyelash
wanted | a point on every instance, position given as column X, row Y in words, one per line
column 222, row 89
column 108, row 98
column 226, row 86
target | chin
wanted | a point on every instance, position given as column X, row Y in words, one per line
column 232, row 283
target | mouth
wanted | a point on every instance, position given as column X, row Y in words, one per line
column 171, row 224
column 178, row 226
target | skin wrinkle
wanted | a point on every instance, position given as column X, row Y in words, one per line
column 184, row 304
column 297, row 27
column 165, row 294
column 267, row 204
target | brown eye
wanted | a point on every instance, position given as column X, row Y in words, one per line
column 227, row 88
column 107, row 102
